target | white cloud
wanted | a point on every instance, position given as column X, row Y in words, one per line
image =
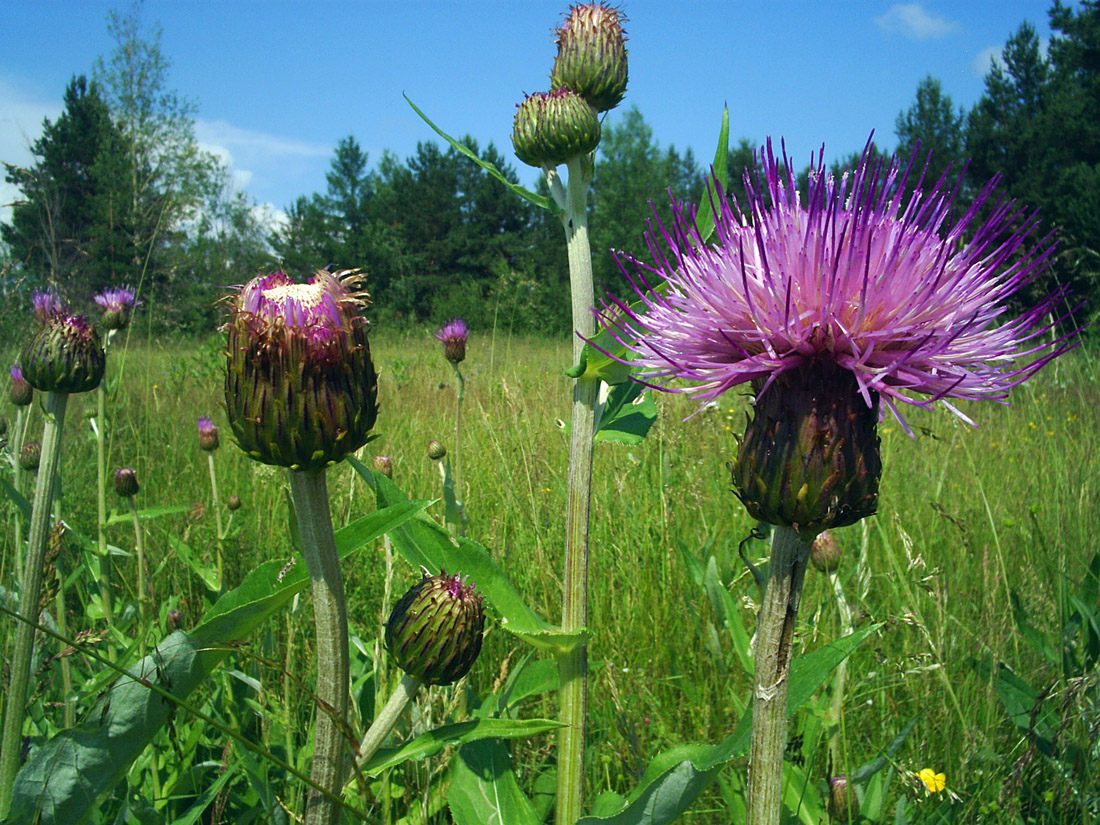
column 912, row 21
column 21, row 116
column 986, row 57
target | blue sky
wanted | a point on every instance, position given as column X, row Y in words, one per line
column 278, row 83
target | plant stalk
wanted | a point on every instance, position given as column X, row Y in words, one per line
column 459, row 395
column 311, row 506
column 139, row 545
column 573, row 665
column 11, row 740
column 772, row 656
column 387, row 718
column 101, row 506
column 217, row 520
column 22, row 419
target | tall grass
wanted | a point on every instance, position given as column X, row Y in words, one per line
column 967, row 517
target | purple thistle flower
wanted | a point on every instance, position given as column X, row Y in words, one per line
column 453, row 334
column 65, row 353
column 300, row 386
column 117, row 303
column 889, row 291
column 46, row 305
column 208, row 434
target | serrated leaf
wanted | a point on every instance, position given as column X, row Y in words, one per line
column 64, row 780
column 424, row 543
column 532, row 197
column 433, row 741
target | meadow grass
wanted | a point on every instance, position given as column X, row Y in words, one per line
column 967, row 516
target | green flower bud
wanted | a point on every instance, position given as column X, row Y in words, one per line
column 30, row 456
column 436, row 450
column 825, row 552
column 434, row 632
column 552, row 127
column 592, row 55
column 126, row 484
column 64, row 355
column 809, row 458
column 300, row 386
column 233, row 503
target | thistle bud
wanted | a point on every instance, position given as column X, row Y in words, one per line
column 126, row 484
column 592, row 57
column 843, row 804
column 300, row 387
column 117, row 305
column 64, row 355
column 21, row 392
column 825, row 552
column 174, row 619
column 453, row 334
column 233, row 503
column 436, row 450
column 208, row 434
column 552, row 127
column 30, row 456
column 434, row 632
column 809, row 458
column 384, row 465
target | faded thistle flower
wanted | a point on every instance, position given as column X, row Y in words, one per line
column 208, row 434
column 117, row 303
column 21, row 393
column 592, row 55
column 65, row 354
column 552, row 127
column 434, row 633
column 453, row 334
column 826, row 305
column 300, row 387
column 126, row 484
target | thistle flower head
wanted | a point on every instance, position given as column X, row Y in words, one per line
column 843, row 804
column 552, row 127
column 436, row 450
column 65, row 354
column 827, row 304
column 912, row 305
column 126, row 484
column 30, row 456
column 434, row 633
column 21, row 392
column 453, row 334
column 300, row 386
column 384, row 465
column 208, row 434
column 592, row 57
column 117, row 303
column 233, row 503
column 825, row 553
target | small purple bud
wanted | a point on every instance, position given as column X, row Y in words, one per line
column 208, row 434
column 825, row 552
column 126, row 484
column 21, row 392
column 174, row 619
column 843, row 804
column 384, row 465
column 453, row 334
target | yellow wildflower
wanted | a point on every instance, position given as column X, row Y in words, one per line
column 935, row 782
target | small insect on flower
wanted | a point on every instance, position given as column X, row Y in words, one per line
column 934, row 782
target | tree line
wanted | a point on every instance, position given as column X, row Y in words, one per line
column 119, row 192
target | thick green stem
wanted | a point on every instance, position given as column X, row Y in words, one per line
column 573, row 666
column 772, row 657
column 311, row 506
column 459, row 495
column 387, row 718
column 15, row 708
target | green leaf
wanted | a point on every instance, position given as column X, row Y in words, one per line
column 424, row 543
column 65, row 779
column 727, row 610
column 595, row 363
column 457, row 733
column 208, row 573
column 869, row 769
column 146, row 514
column 20, row 500
column 627, row 416
column 538, row 200
column 704, row 216
column 808, row 673
column 483, row 787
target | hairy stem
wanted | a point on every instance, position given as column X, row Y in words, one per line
column 387, row 718
column 11, row 740
column 573, row 666
column 772, row 656
column 311, row 506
